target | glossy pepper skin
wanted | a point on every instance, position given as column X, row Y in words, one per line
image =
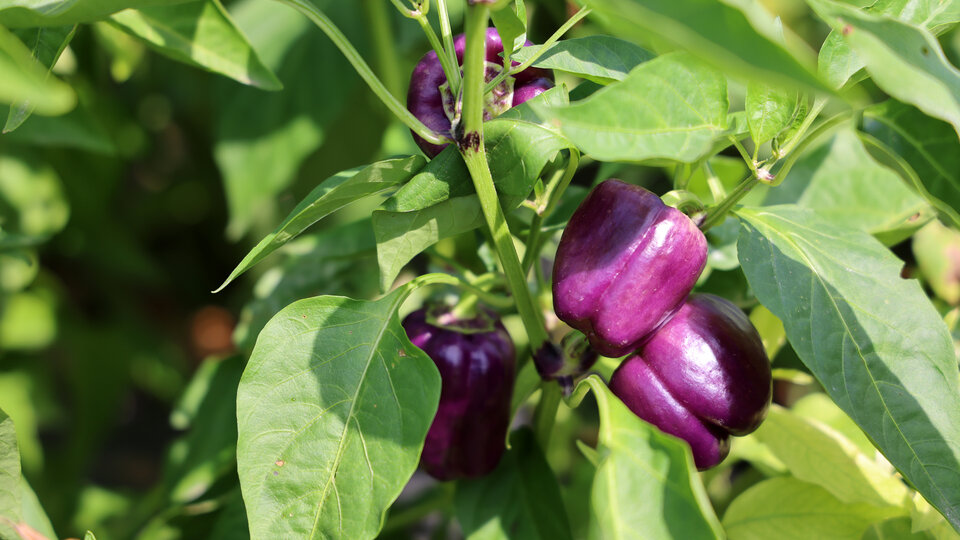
column 702, row 377
column 427, row 101
column 624, row 266
column 477, row 362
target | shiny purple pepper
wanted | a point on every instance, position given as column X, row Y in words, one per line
column 425, row 99
column 702, row 377
column 477, row 361
column 625, row 264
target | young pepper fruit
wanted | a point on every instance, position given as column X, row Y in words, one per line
column 477, row 363
column 702, row 377
column 430, row 100
column 624, row 265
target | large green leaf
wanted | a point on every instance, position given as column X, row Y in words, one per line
column 789, row 509
column 602, row 59
column 519, row 499
column 26, row 80
column 733, row 35
column 646, row 485
column 671, row 107
column 332, row 411
column 441, row 202
column 904, row 60
column 33, row 13
column 332, row 194
column 843, row 183
column 10, row 506
column 872, row 339
column 46, row 45
column 837, row 61
column 200, row 34
column 929, row 146
column 815, row 453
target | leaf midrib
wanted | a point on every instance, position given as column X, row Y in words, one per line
column 346, row 424
column 886, row 409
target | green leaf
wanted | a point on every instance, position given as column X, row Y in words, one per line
column 871, row 338
column 646, row 485
column 769, row 110
column 441, row 202
column 339, row 260
column 332, row 411
column 905, row 61
column 332, row 194
column 844, row 184
column 837, row 61
column 601, row 59
column 25, row 80
column 33, row 202
column 734, row 36
column 789, row 509
column 672, row 107
column 512, row 29
column 208, row 451
column 898, row 528
column 10, row 497
column 519, row 499
column 930, row 147
column 80, row 128
column 33, row 514
column 33, row 13
column 89, row 536
column 262, row 139
column 817, row 454
column 46, row 45
column 200, row 34
column 820, row 408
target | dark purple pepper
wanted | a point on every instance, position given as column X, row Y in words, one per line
column 645, row 394
column 477, row 360
column 437, row 108
column 624, row 266
column 703, row 376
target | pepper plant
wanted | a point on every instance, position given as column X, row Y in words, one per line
column 617, row 269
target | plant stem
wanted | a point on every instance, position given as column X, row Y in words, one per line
column 718, row 213
column 326, row 25
column 447, row 36
column 474, row 154
column 584, row 11
column 818, row 106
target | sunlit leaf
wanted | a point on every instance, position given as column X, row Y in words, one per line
column 201, row 34
column 872, row 339
column 332, row 410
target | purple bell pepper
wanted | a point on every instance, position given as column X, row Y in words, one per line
column 430, row 100
column 477, row 363
column 702, row 377
column 625, row 264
